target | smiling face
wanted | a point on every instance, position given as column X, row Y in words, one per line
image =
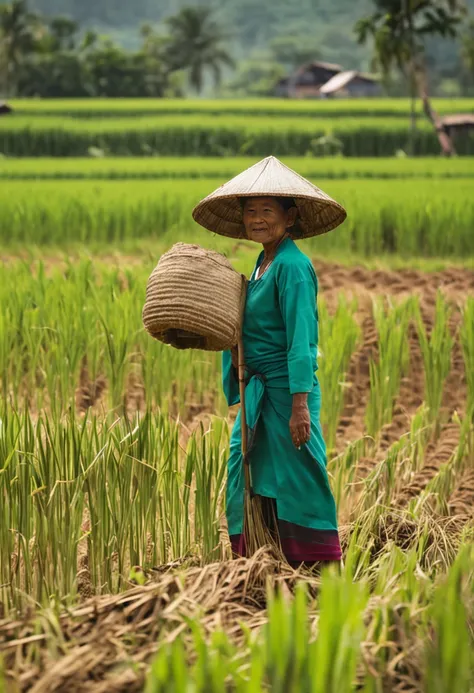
column 266, row 220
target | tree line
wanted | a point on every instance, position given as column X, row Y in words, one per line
column 53, row 58
column 56, row 57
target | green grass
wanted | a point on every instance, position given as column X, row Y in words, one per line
column 218, row 167
column 87, row 108
column 414, row 218
column 213, row 135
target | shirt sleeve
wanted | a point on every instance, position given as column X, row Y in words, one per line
column 230, row 381
column 297, row 298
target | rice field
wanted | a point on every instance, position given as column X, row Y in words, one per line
column 114, row 451
column 216, row 135
column 340, row 108
column 421, row 218
column 115, row 566
column 162, row 168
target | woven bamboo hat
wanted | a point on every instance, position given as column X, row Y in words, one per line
column 221, row 211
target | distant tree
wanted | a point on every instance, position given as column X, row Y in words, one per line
column 292, row 51
column 113, row 72
column 56, row 68
column 20, row 30
column 161, row 80
column 398, row 29
column 467, row 49
column 256, row 76
column 197, row 45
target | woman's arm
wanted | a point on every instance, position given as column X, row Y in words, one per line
column 297, row 290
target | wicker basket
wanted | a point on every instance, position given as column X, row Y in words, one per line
column 193, row 300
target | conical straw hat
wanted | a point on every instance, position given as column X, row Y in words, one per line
column 221, row 211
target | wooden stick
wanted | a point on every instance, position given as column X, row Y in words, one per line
column 241, row 369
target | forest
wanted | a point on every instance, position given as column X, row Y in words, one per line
column 66, row 48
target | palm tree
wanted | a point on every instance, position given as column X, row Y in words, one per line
column 196, row 44
column 398, row 28
column 18, row 37
column 467, row 49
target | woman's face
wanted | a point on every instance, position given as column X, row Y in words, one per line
column 265, row 220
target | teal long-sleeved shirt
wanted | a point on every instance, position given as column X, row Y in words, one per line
column 280, row 330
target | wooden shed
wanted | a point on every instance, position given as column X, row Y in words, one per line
column 351, row 84
column 459, row 123
column 306, row 81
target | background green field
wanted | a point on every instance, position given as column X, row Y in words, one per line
column 220, row 128
column 362, row 108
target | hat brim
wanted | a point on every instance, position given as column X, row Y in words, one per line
column 221, row 211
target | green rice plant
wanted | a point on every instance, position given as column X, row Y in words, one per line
column 114, row 492
column 207, row 462
column 464, row 453
column 74, row 337
column 436, row 350
column 208, row 135
column 420, row 434
column 284, row 658
column 186, row 168
column 449, row 651
column 380, row 483
column 338, row 338
column 467, row 345
column 413, row 218
column 342, row 469
column 391, row 364
column 118, row 107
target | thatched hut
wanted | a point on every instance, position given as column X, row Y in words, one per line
column 306, row 80
column 458, row 123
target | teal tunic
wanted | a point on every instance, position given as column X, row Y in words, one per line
column 280, row 335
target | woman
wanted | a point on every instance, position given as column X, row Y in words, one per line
column 271, row 205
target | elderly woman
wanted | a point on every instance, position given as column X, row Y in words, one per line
column 271, row 204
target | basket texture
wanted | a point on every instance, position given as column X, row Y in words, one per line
column 221, row 211
column 193, row 299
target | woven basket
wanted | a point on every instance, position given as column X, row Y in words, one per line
column 193, row 299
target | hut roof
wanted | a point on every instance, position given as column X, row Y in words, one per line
column 459, row 120
column 343, row 79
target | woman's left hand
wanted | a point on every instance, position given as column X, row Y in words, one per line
column 300, row 422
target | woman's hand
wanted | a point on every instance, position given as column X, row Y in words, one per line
column 300, row 422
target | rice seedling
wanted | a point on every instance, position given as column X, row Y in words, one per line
column 339, row 334
column 391, row 364
column 449, row 652
column 436, row 350
column 467, row 343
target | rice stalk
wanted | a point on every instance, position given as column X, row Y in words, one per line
column 436, row 350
